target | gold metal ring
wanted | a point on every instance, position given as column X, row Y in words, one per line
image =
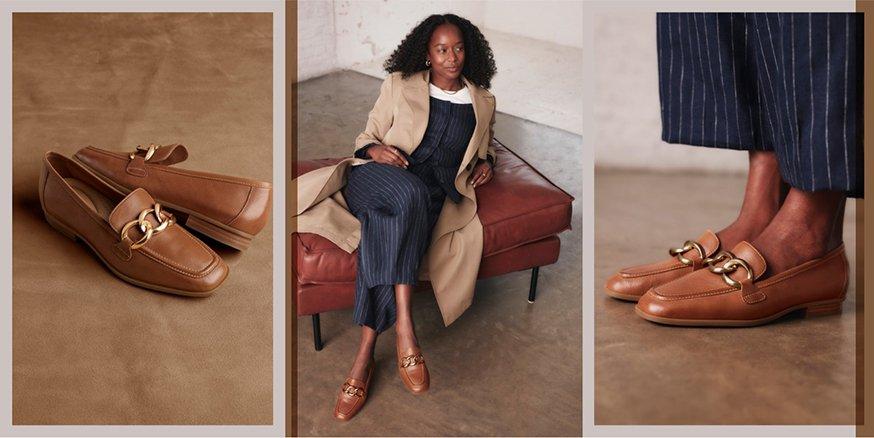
column 720, row 256
column 150, row 150
column 688, row 246
column 731, row 266
column 149, row 230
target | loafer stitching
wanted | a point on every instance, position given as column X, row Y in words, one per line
column 768, row 282
column 183, row 269
column 164, row 168
column 659, row 271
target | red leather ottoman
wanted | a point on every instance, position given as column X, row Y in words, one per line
column 521, row 211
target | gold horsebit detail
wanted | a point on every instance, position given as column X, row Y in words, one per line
column 165, row 220
column 731, row 264
column 150, row 150
column 687, row 246
column 352, row 390
column 415, row 359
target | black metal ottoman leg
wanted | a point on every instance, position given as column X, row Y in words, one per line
column 532, row 292
column 317, row 332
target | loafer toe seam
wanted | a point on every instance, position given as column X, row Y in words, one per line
column 626, row 274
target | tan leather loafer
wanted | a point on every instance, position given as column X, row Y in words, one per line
column 413, row 372
column 729, row 292
column 134, row 237
column 630, row 284
column 228, row 209
column 352, row 396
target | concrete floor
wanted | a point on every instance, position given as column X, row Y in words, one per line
column 794, row 371
column 505, row 367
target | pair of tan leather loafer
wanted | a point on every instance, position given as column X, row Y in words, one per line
column 705, row 285
column 128, row 208
column 353, row 392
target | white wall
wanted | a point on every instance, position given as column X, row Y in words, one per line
column 558, row 22
column 368, row 29
column 317, row 42
column 359, row 31
column 626, row 107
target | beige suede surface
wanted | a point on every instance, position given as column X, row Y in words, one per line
column 89, row 348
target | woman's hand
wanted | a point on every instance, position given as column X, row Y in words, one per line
column 386, row 154
column 481, row 174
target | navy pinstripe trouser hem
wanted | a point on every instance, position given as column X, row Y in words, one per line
column 790, row 83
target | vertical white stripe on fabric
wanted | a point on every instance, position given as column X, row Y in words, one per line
column 692, row 78
column 669, row 83
column 734, row 79
column 768, row 108
column 722, row 78
column 812, row 114
column 790, row 145
column 774, row 107
column 701, row 69
column 746, row 88
column 710, row 70
column 828, row 49
column 682, row 74
column 660, row 64
column 846, row 70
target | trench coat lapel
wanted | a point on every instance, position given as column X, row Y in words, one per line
column 481, row 105
column 417, row 96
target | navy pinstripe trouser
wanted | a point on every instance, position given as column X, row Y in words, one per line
column 397, row 211
column 790, row 83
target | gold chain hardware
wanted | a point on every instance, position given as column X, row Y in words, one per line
column 719, row 257
column 353, row 390
column 150, row 150
column 412, row 360
column 728, row 267
column 165, row 220
column 687, row 246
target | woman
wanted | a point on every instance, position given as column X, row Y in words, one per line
column 787, row 89
column 425, row 148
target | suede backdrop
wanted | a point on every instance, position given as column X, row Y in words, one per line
column 89, row 348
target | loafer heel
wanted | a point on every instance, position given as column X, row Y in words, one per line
column 233, row 239
column 823, row 309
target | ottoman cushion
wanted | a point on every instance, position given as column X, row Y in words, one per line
column 519, row 206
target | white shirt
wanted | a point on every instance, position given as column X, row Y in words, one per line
column 461, row 96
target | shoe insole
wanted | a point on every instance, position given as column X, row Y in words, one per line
column 92, row 198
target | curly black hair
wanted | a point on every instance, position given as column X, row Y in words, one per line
column 410, row 56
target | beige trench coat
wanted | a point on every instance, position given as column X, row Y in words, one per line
column 399, row 118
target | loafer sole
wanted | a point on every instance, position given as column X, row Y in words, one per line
column 817, row 308
column 624, row 297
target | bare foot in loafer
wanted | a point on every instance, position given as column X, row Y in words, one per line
column 411, row 363
column 809, row 225
column 353, row 394
column 764, row 194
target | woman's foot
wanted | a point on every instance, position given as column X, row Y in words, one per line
column 364, row 356
column 411, row 363
column 764, row 194
column 353, row 394
column 809, row 225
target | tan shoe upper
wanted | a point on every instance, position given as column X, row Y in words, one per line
column 240, row 204
column 632, row 283
column 706, row 297
column 131, row 234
